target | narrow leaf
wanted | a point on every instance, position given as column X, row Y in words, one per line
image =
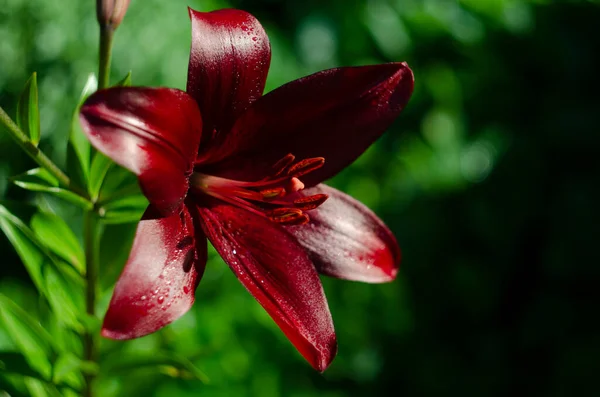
column 125, row 81
column 124, row 210
column 12, row 385
column 28, row 114
column 118, row 183
column 100, row 166
column 67, row 369
column 116, row 243
column 57, row 282
column 169, row 363
column 79, row 149
column 16, row 363
column 38, row 388
column 56, row 235
column 32, row 340
column 40, row 180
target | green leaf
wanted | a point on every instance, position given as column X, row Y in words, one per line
column 16, row 363
column 125, row 81
column 67, row 369
column 40, row 180
column 64, row 296
column 56, row 235
column 124, row 210
column 100, row 166
column 32, row 340
column 9, row 223
column 116, row 243
column 28, row 113
column 38, row 388
column 169, row 363
column 12, row 385
column 79, row 149
column 57, row 282
column 118, row 183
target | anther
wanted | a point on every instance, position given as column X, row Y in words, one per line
column 282, row 164
column 271, row 194
column 305, row 166
column 310, row 202
column 288, row 216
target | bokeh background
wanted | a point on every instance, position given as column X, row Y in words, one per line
column 489, row 179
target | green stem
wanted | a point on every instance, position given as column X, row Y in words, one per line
column 90, row 233
column 106, row 38
column 33, row 151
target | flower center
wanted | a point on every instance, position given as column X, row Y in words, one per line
column 273, row 196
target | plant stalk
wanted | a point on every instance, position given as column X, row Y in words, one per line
column 106, row 38
column 90, row 233
column 33, row 151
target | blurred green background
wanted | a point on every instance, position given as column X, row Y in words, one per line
column 489, row 179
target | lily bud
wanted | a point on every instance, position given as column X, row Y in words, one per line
column 110, row 13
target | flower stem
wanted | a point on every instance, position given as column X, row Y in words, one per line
column 106, row 38
column 33, row 151
column 90, row 234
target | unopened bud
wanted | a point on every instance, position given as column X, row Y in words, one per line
column 110, row 13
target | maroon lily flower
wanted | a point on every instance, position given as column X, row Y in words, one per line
column 247, row 175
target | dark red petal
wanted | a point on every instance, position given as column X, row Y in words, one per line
column 158, row 282
column 334, row 114
column 154, row 132
column 229, row 61
column 347, row 240
column 279, row 274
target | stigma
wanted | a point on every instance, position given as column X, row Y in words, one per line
column 274, row 197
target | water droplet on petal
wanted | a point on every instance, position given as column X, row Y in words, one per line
column 143, row 297
column 186, row 289
column 161, row 299
column 234, row 252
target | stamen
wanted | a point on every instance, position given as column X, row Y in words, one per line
column 282, row 164
column 310, row 202
column 288, row 216
column 267, row 196
column 305, row 166
column 271, row 194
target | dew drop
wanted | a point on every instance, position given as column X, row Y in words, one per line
column 161, row 299
column 234, row 252
column 255, row 38
column 186, row 289
column 143, row 297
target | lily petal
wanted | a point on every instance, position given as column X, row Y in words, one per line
column 153, row 132
column 229, row 61
column 158, row 282
column 347, row 240
column 279, row 274
column 336, row 114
